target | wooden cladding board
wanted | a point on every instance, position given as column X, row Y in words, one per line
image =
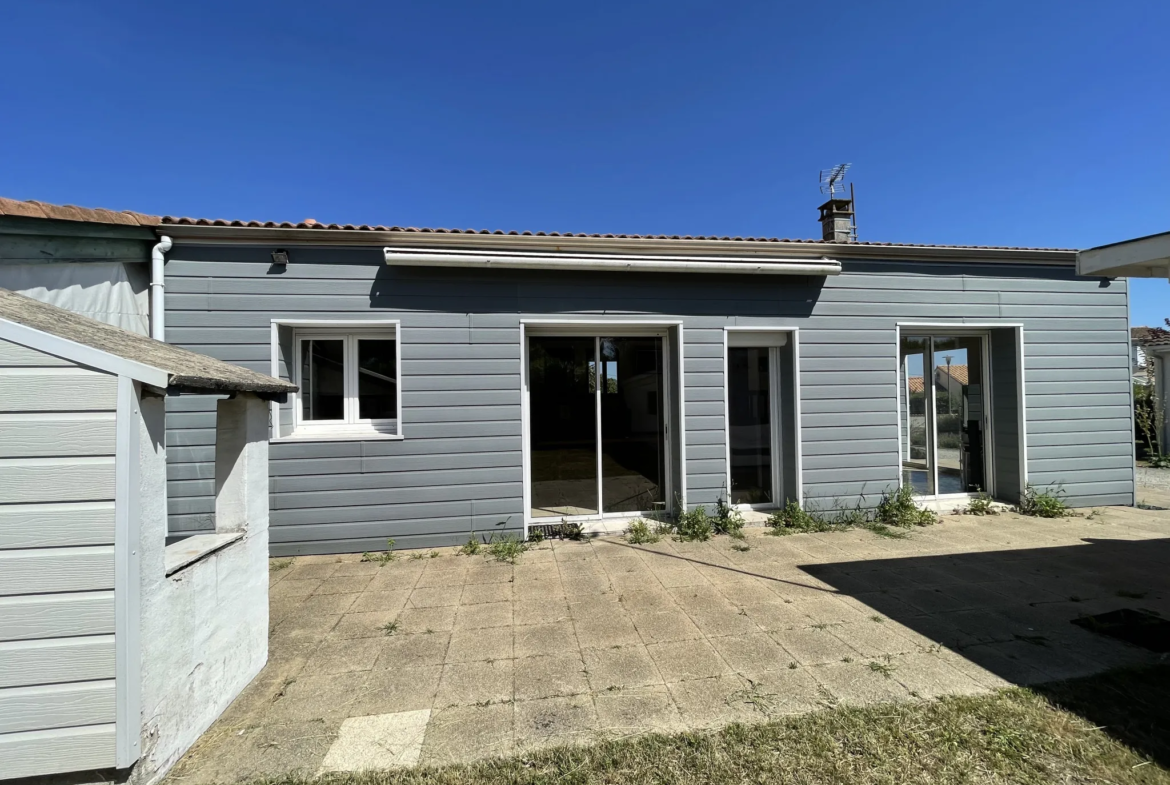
column 57, row 750
column 26, row 663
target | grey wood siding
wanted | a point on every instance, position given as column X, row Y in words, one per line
column 460, row 462
column 57, row 444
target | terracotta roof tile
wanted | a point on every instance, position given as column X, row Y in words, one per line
column 36, row 209
column 916, row 384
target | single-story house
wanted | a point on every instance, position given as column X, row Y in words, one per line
column 458, row 383
column 117, row 650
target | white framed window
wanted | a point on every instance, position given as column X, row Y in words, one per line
column 349, row 382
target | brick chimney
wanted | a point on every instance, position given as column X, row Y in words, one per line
column 837, row 221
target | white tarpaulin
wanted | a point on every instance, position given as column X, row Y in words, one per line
column 110, row 292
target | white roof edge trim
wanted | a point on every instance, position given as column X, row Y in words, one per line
column 81, row 354
column 414, row 257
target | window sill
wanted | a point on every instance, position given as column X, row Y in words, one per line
column 187, row 551
column 336, row 435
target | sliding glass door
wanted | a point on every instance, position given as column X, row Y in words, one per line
column 942, row 405
column 597, row 425
column 750, row 425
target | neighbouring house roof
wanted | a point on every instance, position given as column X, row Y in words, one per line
column 184, row 369
column 1139, row 334
column 957, row 372
column 916, row 384
column 71, row 213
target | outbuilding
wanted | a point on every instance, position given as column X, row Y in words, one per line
column 116, row 650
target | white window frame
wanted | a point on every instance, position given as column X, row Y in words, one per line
column 350, row 332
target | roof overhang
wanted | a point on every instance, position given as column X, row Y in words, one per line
column 1145, row 257
column 740, row 250
column 533, row 260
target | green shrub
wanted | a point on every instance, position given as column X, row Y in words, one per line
column 536, row 536
column 897, row 508
column 507, row 548
column 727, row 520
column 792, row 519
column 980, row 505
column 1159, row 462
column 471, row 547
column 1048, row 503
column 641, row 533
column 693, row 525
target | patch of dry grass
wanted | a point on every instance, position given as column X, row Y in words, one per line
column 1109, row 728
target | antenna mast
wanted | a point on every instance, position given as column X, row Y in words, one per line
column 833, row 185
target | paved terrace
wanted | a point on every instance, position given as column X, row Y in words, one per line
column 584, row 640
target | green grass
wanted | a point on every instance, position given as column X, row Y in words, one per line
column 381, row 558
column 895, row 513
column 1104, row 729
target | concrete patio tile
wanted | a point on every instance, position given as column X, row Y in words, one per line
column 727, row 620
column 295, row 588
column 380, row 741
column 363, row 625
column 490, row 614
column 449, row 576
column 479, row 645
column 857, row 684
column 627, row 712
column 675, row 575
column 364, row 568
column 380, row 601
column 683, row 660
column 536, row 590
column 929, row 676
column 398, row 689
column 486, row 592
column 344, row 655
column 776, row 615
column 549, row 721
column 315, row 697
column 749, row 592
column 583, row 586
column 440, row 619
column 462, row 734
column 483, row 571
column 872, row 639
column 828, row 610
column 620, row 667
column 475, row 682
column 326, row 604
column 752, row 654
column 348, row 584
column 541, row 611
column 802, row 588
column 600, row 633
column 550, row 676
column 395, row 576
column 545, row 639
column 410, row 650
column 782, row 693
column 814, row 647
column 712, row 702
column 303, row 570
column 436, row 596
column 664, row 626
column 647, row 601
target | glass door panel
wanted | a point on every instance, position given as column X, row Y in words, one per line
column 562, row 386
column 633, row 438
column 958, row 413
column 914, row 400
column 749, row 409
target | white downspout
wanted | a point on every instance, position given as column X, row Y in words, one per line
column 157, row 286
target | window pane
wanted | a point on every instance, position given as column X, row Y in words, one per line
column 322, row 380
column 377, row 380
column 913, row 396
column 749, row 409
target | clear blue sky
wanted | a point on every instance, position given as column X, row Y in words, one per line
column 1021, row 123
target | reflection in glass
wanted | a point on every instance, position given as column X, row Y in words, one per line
column 377, row 380
column 958, row 413
column 749, row 410
column 563, row 425
column 914, row 400
column 632, row 428
column 322, row 379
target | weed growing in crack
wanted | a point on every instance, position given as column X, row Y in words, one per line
column 381, row 558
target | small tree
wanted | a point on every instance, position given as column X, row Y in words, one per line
column 1149, row 412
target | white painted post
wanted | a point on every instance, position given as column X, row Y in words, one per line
column 241, row 464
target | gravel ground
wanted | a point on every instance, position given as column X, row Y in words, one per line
column 1154, row 478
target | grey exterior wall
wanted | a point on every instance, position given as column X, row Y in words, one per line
column 460, row 463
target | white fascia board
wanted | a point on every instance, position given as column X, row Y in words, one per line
column 527, row 260
column 1145, row 257
column 81, row 354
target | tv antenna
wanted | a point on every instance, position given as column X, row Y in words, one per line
column 833, row 180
